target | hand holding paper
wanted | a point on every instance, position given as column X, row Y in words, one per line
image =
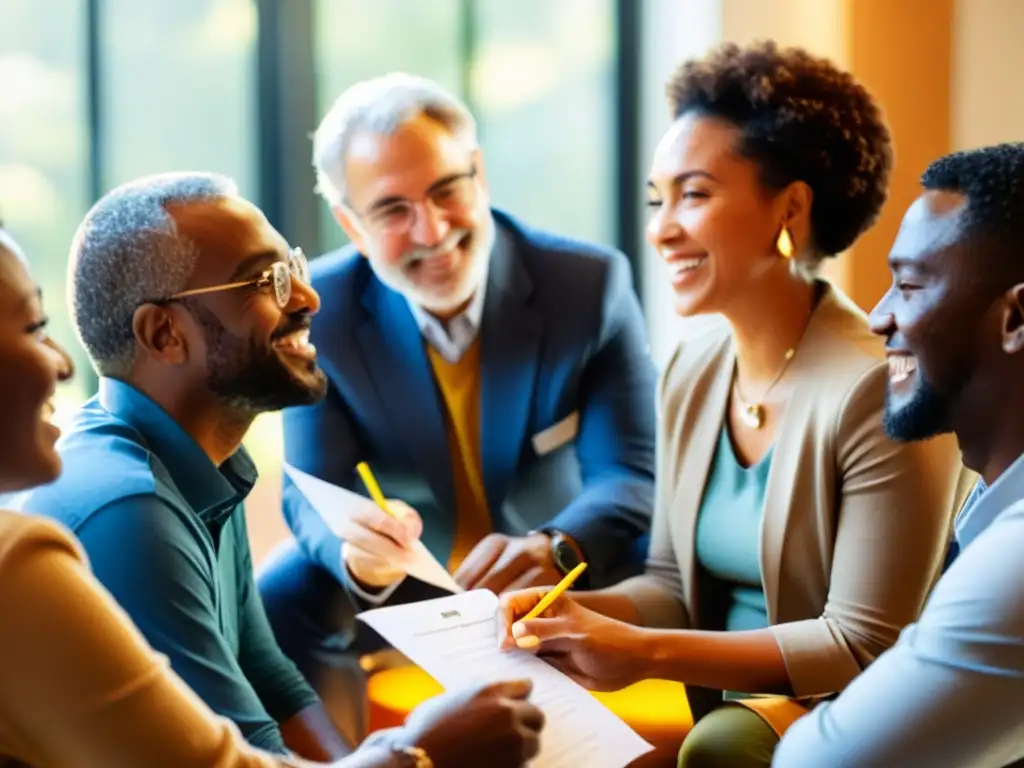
column 376, row 544
column 379, row 547
column 454, row 639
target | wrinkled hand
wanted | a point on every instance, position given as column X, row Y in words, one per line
column 501, row 562
column 492, row 725
column 375, row 544
column 599, row 653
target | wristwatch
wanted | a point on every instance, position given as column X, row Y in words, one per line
column 566, row 554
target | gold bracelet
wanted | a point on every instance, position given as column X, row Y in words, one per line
column 420, row 758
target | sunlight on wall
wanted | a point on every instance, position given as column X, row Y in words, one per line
column 988, row 60
column 265, row 443
column 673, row 31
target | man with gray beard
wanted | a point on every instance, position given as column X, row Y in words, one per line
column 496, row 378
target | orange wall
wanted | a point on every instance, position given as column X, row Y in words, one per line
column 903, row 52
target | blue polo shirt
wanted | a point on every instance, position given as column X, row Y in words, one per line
column 164, row 529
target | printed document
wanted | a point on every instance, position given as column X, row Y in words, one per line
column 454, row 639
column 331, row 501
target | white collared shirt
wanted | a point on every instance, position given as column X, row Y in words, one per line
column 950, row 692
column 462, row 329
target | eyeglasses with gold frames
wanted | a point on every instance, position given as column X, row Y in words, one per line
column 280, row 275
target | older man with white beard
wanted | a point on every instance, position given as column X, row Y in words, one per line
column 496, row 378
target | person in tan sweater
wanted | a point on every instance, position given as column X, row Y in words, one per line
column 792, row 540
column 79, row 686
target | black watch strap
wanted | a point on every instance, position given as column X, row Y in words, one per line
column 566, row 554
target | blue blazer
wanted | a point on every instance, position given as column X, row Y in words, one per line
column 562, row 336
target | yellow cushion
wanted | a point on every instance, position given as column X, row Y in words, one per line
column 655, row 709
column 394, row 693
column 651, row 704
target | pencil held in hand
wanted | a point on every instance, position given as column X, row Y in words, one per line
column 377, row 535
column 550, row 597
column 372, row 488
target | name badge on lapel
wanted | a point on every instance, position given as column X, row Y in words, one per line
column 557, row 435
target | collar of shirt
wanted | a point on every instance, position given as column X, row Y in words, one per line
column 986, row 503
column 462, row 329
column 213, row 492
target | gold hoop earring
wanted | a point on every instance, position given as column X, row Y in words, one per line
column 784, row 245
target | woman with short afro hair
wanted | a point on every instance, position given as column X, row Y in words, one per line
column 792, row 540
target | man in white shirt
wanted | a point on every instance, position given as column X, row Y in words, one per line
column 951, row 691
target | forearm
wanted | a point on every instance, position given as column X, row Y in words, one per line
column 647, row 600
column 311, row 734
column 312, row 531
column 613, row 605
column 748, row 661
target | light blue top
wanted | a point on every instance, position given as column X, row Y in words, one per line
column 729, row 536
column 950, row 692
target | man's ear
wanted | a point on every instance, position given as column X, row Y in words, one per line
column 1013, row 320
column 481, row 171
column 350, row 224
column 159, row 334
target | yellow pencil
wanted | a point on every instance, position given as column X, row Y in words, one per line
column 550, row 597
column 371, row 485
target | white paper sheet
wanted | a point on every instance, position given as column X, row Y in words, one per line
column 454, row 639
column 332, row 502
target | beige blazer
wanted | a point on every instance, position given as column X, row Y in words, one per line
column 855, row 526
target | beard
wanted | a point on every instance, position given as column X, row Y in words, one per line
column 247, row 377
column 479, row 246
column 923, row 416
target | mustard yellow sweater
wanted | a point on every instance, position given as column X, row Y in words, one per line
column 460, row 389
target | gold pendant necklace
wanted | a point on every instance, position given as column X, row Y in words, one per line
column 753, row 414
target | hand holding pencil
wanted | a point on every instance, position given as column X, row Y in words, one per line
column 599, row 653
column 378, row 532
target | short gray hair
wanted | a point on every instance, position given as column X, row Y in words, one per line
column 380, row 106
column 128, row 251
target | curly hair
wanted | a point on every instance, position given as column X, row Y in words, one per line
column 992, row 180
column 801, row 119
